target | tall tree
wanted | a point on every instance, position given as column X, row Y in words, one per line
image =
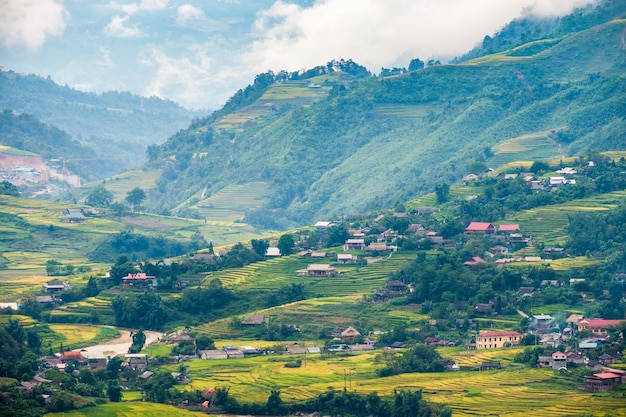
column 286, row 244
column 136, row 196
column 99, row 197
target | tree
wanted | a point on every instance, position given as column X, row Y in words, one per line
column 442, row 190
column 274, row 403
column 139, row 339
column 286, row 244
column 204, row 343
column 152, row 152
column 99, row 197
column 416, row 64
column 7, row 188
column 260, row 246
column 135, row 197
column 115, row 392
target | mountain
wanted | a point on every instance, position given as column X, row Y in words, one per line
column 113, row 129
column 338, row 143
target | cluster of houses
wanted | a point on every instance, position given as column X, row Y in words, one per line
column 564, row 176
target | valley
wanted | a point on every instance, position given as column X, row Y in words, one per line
column 448, row 240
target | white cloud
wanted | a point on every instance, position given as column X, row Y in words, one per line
column 189, row 12
column 555, row 8
column 378, row 33
column 192, row 79
column 30, row 22
column 143, row 5
column 117, row 27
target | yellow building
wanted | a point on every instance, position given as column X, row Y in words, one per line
column 490, row 340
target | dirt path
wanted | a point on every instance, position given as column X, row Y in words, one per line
column 117, row 346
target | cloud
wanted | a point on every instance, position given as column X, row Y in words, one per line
column 117, row 28
column 189, row 12
column 30, row 22
column 378, row 33
column 143, row 5
column 194, row 78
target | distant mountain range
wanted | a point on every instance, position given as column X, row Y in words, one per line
column 98, row 134
column 335, row 141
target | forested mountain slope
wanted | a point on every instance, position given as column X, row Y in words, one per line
column 371, row 142
column 113, row 127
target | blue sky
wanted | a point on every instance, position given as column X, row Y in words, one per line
column 198, row 53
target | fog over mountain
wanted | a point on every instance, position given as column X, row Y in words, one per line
column 198, row 53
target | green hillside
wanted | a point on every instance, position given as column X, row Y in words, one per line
column 338, row 144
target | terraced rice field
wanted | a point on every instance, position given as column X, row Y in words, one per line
column 100, row 305
column 402, row 111
column 507, row 392
column 548, row 224
column 124, row 409
column 231, row 202
column 533, row 146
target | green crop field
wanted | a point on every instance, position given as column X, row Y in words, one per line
column 535, row 146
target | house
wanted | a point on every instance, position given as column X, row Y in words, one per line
column 504, row 228
column 377, row 247
column 55, row 286
column 139, row 279
column 137, row 361
column 559, row 360
column 354, row 244
column 499, row 250
column 71, row 356
column 476, row 260
column 480, row 227
column 589, row 343
column 567, row 171
column 213, row 354
column 518, row 239
column 350, row 334
column 12, row 306
column 469, row 178
column 146, row 375
column 234, row 354
column 490, row 340
column 73, row 216
column 346, row 258
column 489, row 365
column 604, row 381
column 253, row 320
column 484, row 308
column 557, row 180
column 322, row 225
column 415, row 228
column 44, row 299
column 598, row 327
column 272, row 252
column 318, row 270
column 318, row 254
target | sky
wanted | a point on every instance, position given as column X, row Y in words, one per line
column 198, row 53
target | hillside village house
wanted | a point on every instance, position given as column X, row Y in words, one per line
column 598, row 327
column 490, row 340
column 55, row 286
column 318, row 270
column 354, row 244
column 139, row 278
column 605, row 381
column 480, row 228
